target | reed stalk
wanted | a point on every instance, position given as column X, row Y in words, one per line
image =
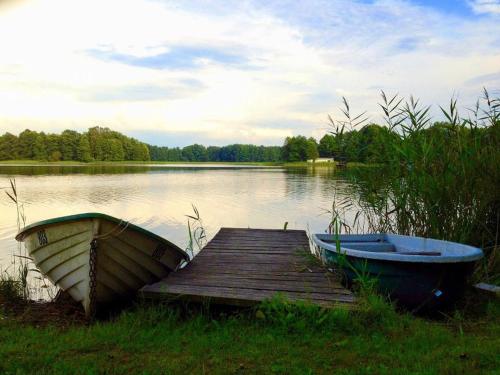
column 441, row 179
column 26, row 282
column 197, row 236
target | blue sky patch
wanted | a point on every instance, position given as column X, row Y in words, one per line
column 176, row 58
column 459, row 7
column 408, row 44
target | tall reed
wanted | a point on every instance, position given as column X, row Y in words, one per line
column 26, row 281
column 441, row 179
column 197, row 236
column 20, row 260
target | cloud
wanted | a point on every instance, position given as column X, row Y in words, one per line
column 488, row 80
column 232, row 71
column 485, row 6
column 173, row 58
column 150, row 92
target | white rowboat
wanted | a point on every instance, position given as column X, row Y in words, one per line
column 97, row 258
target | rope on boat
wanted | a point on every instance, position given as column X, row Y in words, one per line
column 121, row 226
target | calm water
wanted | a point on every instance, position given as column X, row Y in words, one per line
column 159, row 197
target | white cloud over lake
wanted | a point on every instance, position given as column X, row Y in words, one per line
column 223, row 72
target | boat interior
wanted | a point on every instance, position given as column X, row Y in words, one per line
column 381, row 245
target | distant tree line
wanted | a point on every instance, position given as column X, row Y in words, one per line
column 231, row 153
column 97, row 144
column 370, row 144
column 300, row 148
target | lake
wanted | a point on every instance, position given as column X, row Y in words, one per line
column 158, row 197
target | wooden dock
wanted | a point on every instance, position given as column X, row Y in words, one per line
column 245, row 266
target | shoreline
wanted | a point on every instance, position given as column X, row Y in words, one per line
column 34, row 163
column 124, row 163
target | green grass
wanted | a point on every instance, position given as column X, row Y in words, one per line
column 306, row 164
column 329, row 165
column 353, row 164
column 37, row 162
column 275, row 339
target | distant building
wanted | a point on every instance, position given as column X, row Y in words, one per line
column 321, row 160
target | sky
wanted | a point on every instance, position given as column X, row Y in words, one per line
column 174, row 73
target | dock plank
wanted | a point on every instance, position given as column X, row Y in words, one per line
column 246, row 266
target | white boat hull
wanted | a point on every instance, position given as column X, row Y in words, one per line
column 98, row 259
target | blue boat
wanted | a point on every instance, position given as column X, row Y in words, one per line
column 416, row 272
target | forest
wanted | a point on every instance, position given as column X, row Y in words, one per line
column 370, row 144
column 96, row 144
column 103, row 144
column 230, row 153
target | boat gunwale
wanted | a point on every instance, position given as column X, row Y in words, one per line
column 473, row 255
column 96, row 215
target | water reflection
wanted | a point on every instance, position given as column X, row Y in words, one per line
column 54, row 169
column 159, row 197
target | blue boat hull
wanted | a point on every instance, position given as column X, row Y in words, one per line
column 413, row 285
column 416, row 272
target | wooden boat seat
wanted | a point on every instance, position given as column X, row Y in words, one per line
column 376, row 247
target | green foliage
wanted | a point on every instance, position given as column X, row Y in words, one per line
column 371, row 144
column 440, row 178
column 26, row 142
column 99, row 144
column 103, row 144
column 196, row 233
column 53, row 147
column 55, row 156
column 83, row 152
column 14, row 286
column 312, row 150
column 69, row 141
column 194, row 153
column 230, row 153
column 9, row 147
column 328, row 146
column 300, row 148
column 40, row 148
column 11, row 289
column 301, row 316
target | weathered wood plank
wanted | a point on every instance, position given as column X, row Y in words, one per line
column 276, row 251
column 251, row 231
column 244, row 248
column 276, row 268
column 248, row 275
column 245, row 274
column 262, row 235
column 245, row 293
column 227, row 299
column 273, row 239
column 274, row 285
column 318, row 280
column 285, row 258
column 241, row 267
column 249, row 245
column 245, row 266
